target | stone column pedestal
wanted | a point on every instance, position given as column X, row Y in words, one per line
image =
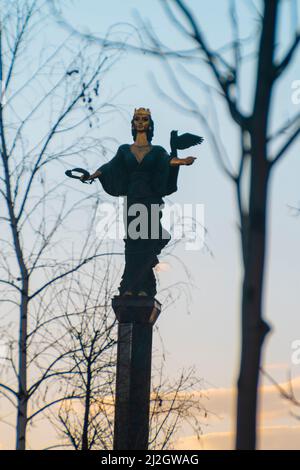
column 136, row 316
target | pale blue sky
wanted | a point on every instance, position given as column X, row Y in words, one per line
column 208, row 337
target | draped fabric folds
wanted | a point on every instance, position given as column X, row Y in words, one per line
column 144, row 182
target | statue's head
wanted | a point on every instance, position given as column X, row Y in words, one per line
column 142, row 122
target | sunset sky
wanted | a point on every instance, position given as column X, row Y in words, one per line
column 204, row 331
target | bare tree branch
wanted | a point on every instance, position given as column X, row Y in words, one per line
column 282, row 151
column 283, row 65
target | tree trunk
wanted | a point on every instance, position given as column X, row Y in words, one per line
column 22, row 392
column 254, row 328
column 85, row 428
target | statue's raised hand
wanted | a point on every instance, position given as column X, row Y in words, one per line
column 92, row 177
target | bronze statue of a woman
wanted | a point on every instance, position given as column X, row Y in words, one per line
column 144, row 173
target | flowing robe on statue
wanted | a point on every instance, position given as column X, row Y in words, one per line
column 144, row 182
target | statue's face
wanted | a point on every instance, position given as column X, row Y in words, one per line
column 141, row 122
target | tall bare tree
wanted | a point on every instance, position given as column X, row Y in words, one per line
column 260, row 148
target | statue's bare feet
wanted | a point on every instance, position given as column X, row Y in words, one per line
column 128, row 292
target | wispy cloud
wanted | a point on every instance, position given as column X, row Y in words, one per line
column 278, row 428
column 270, row 438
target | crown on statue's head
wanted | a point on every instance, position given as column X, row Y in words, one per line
column 143, row 111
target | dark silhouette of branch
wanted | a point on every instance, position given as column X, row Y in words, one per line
column 70, row 271
column 282, row 151
column 285, row 62
column 288, row 395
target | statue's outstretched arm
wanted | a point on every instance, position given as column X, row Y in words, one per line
column 175, row 161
